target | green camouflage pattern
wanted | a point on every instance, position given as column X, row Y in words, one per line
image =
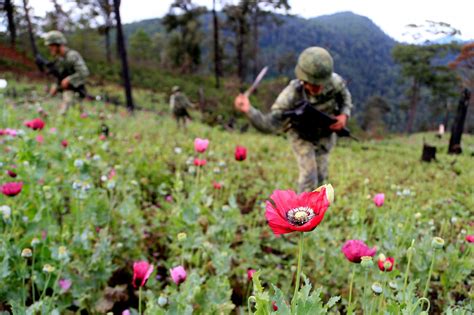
column 179, row 101
column 73, row 67
column 315, row 66
column 54, row 37
column 312, row 158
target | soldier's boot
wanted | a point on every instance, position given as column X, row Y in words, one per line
column 322, row 162
column 306, row 159
column 68, row 99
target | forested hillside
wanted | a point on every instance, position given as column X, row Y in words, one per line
column 352, row 40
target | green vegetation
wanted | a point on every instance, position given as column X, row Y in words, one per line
column 90, row 210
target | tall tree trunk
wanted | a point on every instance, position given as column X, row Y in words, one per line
column 122, row 50
column 413, row 102
column 108, row 53
column 11, row 22
column 30, row 31
column 458, row 125
column 240, row 48
column 217, row 57
column 256, row 64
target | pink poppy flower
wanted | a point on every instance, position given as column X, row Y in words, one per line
column 288, row 212
column 250, row 273
column 169, row 198
column 200, row 145
column 354, row 250
column 112, row 173
column 178, row 274
column 126, row 312
column 35, row 124
column 11, row 189
column 141, row 272
column 240, row 153
column 11, row 132
column 8, row 132
column 53, row 130
column 470, row 238
column 84, row 115
column 199, row 162
column 65, row 284
column 40, row 139
column 103, row 137
column 386, row 264
column 379, row 199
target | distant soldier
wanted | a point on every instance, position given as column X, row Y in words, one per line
column 321, row 88
column 68, row 67
column 179, row 105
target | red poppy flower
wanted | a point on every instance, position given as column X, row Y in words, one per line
column 240, row 153
column 11, row 173
column 386, row 263
column 141, row 272
column 470, row 238
column 199, row 162
column 35, row 124
column 217, row 185
column 11, row 189
column 250, row 273
column 290, row 212
column 64, row 143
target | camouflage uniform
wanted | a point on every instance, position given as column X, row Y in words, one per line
column 312, row 157
column 71, row 65
column 179, row 105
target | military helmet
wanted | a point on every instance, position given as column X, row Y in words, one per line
column 175, row 89
column 54, row 37
column 314, row 66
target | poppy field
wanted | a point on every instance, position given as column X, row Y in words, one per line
column 102, row 211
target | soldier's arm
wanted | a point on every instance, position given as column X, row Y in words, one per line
column 172, row 103
column 344, row 96
column 81, row 71
column 273, row 121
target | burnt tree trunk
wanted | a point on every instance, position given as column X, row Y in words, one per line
column 429, row 153
column 9, row 8
column 217, row 56
column 122, row 50
column 458, row 125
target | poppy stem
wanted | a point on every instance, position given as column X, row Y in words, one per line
column 349, row 310
column 410, row 254
column 425, row 292
column 298, row 270
column 140, row 300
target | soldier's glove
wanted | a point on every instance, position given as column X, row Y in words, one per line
column 340, row 123
column 242, row 103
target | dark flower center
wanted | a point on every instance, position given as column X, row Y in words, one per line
column 300, row 215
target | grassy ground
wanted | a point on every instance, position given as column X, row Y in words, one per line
column 108, row 222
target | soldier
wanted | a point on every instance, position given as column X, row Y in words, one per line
column 70, row 69
column 326, row 91
column 179, row 105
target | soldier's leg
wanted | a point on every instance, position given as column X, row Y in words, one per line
column 322, row 161
column 322, row 157
column 68, row 99
column 305, row 157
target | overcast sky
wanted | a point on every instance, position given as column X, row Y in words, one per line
column 390, row 15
